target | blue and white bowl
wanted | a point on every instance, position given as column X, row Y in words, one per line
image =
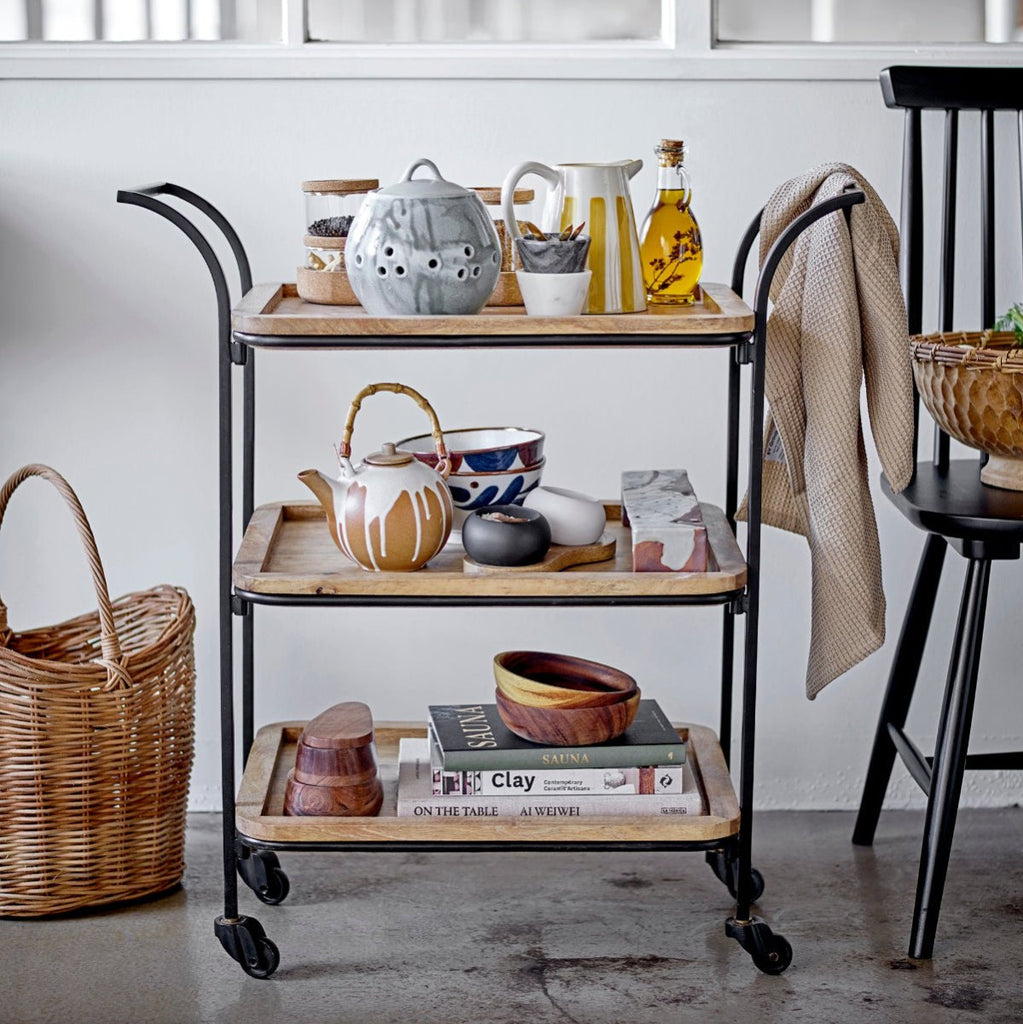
column 480, row 449
column 471, row 490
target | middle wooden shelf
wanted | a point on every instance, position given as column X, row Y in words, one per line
column 288, row 551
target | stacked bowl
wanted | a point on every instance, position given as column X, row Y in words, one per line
column 489, row 465
column 561, row 700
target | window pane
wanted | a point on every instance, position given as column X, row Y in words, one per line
column 484, row 21
column 135, row 20
column 869, row 21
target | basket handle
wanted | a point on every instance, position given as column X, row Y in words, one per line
column 110, row 647
column 344, row 449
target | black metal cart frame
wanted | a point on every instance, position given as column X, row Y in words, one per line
column 243, row 936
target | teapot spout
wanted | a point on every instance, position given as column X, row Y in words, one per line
column 323, row 488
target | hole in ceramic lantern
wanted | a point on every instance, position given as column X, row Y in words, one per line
column 433, row 264
column 382, row 271
column 493, row 258
column 461, row 273
column 400, row 271
column 388, row 251
column 358, row 259
column 469, row 251
column 475, row 271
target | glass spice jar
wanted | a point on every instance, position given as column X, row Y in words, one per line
column 521, row 199
column 671, row 248
column 331, row 205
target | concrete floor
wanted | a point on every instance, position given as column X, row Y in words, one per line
column 492, row 938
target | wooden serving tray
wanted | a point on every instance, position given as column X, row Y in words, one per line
column 287, row 549
column 276, row 310
column 260, row 805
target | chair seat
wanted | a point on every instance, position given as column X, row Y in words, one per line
column 954, row 503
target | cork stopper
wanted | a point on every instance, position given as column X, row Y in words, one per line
column 671, row 151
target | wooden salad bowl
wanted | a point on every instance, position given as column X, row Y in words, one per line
column 568, row 727
column 540, row 680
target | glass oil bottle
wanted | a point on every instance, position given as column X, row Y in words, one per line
column 671, row 249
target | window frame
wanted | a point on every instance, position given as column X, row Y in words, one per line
column 687, row 50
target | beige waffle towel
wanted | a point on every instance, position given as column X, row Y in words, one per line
column 838, row 318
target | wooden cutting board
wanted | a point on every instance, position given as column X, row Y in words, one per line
column 558, row 557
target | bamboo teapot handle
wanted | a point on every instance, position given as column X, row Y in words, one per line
column 345, row 448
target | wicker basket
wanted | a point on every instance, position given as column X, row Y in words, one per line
column 972, row 384
column 96, row 744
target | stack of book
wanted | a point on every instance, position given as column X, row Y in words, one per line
column 471, row 765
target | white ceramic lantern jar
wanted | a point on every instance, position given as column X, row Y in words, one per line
column 423, row 247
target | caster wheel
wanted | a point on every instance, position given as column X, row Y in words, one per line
column 776, row 958
column 245, row 941
column 267, row 958
column 262, row 873
column 276, row 888
column 757, row 880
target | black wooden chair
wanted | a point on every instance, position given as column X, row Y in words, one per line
column 946, row 498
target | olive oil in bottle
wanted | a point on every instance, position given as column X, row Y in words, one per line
column 671, row 249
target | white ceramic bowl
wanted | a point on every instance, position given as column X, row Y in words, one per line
column 574, row 518
column 470, row 490
column 554, row 294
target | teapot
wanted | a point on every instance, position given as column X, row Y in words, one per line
column 597, row 194
column 392, row 512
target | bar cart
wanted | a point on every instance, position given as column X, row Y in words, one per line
column 286, row 558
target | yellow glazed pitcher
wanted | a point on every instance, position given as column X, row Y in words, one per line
column 599, row 195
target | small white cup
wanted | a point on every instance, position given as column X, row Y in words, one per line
column 554, row 294
column 574, row 518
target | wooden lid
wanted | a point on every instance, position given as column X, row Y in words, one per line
column 492, row 196
column 349, row 724
column 325, row 241
column 341, row 186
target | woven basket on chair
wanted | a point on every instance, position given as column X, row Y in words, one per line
column 96, row 744
column 972, row 384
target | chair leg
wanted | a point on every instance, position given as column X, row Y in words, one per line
column 901, row 683
column 950, row 758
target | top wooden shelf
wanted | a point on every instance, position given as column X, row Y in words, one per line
column 273, row 314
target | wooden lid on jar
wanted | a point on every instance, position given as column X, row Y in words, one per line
column 349, row 724
column 492, row 196
column 325, row 241
column 341, row 186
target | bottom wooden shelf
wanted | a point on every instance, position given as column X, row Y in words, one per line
column 260, row 805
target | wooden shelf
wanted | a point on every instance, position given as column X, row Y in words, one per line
column 275, row 311
column 288, row 550
column 260, row 805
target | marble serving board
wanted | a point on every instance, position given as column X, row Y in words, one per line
column 662, row 511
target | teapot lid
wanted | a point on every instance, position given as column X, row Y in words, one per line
column 439, row 188
column 389, row 456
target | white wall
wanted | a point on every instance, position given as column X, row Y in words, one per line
column 108, row 372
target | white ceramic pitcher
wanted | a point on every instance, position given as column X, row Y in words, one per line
column 599, row 195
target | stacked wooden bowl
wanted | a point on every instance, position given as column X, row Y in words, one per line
column 563, row 701
column 335, row 769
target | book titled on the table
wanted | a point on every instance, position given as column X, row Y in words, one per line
column 665, row 778
column 416, row 798
column 472, row 737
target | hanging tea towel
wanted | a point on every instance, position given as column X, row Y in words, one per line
column 838, row 318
